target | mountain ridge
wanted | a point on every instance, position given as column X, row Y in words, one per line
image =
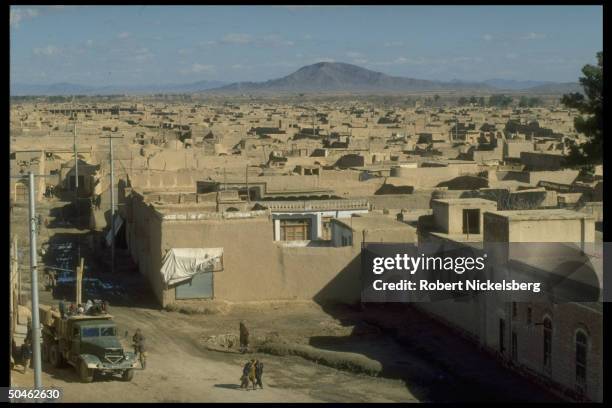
column 318, row 77
column 66, row 88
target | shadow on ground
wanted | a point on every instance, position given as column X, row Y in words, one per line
column 434, row 362
column 125, row 287
column 228, row 386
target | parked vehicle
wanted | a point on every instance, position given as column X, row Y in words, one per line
column 87, row 343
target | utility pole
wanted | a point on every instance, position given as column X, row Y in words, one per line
column 34, row 286
column 79, row 282
column 34, row 279
column 76, row 160
column 19, row 286
column 247, row 183
column 112, row 194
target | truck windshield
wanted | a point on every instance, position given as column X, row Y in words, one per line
column 107, row 331
column 90, row 332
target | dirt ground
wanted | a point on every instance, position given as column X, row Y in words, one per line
column 430, row 364
column 180, row 369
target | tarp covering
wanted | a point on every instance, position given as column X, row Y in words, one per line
column 180, row 264
column 117, row 224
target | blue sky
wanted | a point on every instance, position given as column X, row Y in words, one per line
column 103, row 45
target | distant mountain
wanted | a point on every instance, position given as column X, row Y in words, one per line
column 342, row 77
column 62, row 88
column 557, row 88
column 65, row 88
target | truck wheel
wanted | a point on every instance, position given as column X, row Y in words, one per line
column 127, row 375
column 85, row 373
column 55, row 358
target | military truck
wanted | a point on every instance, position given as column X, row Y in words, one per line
column 88, row 343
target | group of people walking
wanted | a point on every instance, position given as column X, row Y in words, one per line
column 253, row 372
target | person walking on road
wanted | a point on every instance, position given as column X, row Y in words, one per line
column 252, row 373
column 244, row 337
column 244, row 379
column 258, row 373
column 139, row 347
column 26, row 355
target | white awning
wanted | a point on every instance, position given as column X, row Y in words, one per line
column 180, row 264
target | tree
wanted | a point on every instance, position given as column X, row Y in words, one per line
column 473, row 100
column 481, row 102
column 462, row 101
column 500, row 100
column 589, row 104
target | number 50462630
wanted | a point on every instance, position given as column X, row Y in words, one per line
column 32, row 394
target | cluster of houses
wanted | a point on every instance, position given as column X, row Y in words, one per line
column 286, row 194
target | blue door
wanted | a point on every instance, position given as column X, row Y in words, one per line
column 199, row 287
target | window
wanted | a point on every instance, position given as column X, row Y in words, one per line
column 108, row 331
column 547, row 345
column 347, row 240
column 90, row 332
column 529, row 315
column 581, row 360
column 471, row 221
column 514, row 347
column 514, row 309
column 326, row 227
column 295, row 230
column 21, row 193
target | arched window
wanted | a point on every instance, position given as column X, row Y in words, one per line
column 547, row 323
column 582, row 341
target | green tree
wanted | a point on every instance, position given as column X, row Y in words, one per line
column 590, row 120
column 481, row 102
column 535, row 101
column 462, row 101
column 473, row 100
column 500, row 100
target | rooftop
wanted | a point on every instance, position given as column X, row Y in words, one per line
column 465, row 201
column 547, row 214
column 371, row 222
